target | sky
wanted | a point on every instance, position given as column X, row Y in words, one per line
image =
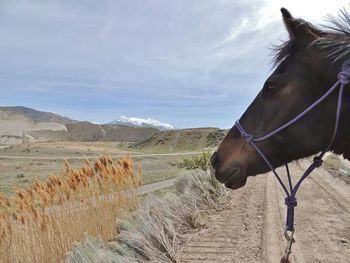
column 189, row 63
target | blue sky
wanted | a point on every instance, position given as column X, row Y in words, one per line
column 188, row 63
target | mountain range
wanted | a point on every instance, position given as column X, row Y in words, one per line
column 21, row 125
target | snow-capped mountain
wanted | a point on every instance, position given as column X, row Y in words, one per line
column 138, row 122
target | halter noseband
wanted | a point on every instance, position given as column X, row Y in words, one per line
column 290, row 200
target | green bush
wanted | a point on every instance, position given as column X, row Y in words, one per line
column 201, row 161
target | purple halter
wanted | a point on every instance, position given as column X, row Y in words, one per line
column 290, row 200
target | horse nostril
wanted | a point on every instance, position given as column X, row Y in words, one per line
column 214, row 159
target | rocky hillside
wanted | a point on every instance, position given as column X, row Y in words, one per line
column 37, row 116
column 182, row 140
column 123, row 133
column 16, row 122
column 86, row 132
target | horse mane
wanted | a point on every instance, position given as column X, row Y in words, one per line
column 334, row 41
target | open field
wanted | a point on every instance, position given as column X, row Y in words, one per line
column 21, row 164
column 62, row 149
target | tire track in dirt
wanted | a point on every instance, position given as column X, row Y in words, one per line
column 252, row 229
column 236, row 234
column 274, row 241
column 323, row 219
column 331, row 187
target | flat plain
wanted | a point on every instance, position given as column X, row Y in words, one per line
column 21, row 164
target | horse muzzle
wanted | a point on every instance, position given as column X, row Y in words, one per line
column 232, row 178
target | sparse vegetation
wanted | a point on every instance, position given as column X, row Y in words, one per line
column 40, row 223
column 215, row 137
column 181, row 140
column 160, row 226
column 201, row 161
column 47, row 158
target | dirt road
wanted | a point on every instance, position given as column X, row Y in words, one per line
column 148, row 188
column 134, row 155
column 252, row 229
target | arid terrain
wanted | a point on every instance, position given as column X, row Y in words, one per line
column 25, row 125
column 22, row 164
column 251, row 230
column 35, row 144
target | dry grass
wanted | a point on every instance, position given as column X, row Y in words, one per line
column 21, row 172
column 42, row 221
column 161, row 226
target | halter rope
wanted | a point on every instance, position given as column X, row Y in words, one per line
column 291, row 200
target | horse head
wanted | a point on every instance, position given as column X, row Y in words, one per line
column 305, row 67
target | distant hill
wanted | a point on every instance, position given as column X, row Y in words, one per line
column 38, row 116
column 182, row 140
column 16, row 122
column 122, row 133
column 138, row 122
column 20, row 124
column 86, row 131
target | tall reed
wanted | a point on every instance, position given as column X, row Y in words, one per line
column 41, row 222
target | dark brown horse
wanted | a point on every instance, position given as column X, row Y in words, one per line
column 306, row 66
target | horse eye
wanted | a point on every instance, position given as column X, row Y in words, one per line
column 270, row 88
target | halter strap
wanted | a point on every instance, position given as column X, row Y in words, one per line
column 290, row 200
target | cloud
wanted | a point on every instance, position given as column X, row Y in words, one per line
column 190, row 63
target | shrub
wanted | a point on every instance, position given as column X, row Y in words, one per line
column 201, row 161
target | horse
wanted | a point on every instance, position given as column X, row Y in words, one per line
column 305, row 66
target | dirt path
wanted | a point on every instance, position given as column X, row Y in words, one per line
column 147, row 188
column 252, row 229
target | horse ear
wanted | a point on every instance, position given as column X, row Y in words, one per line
column 299, row 30
column 285, row 13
